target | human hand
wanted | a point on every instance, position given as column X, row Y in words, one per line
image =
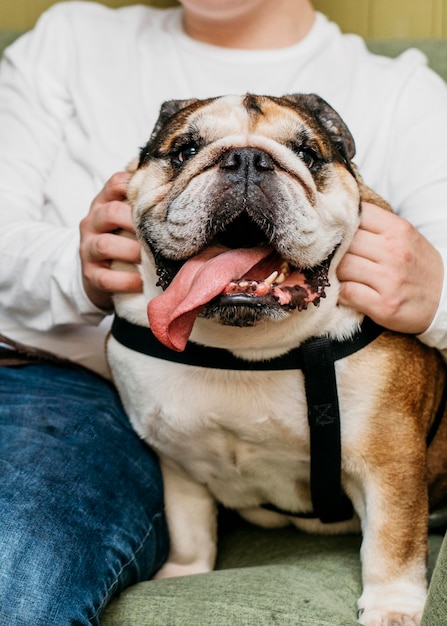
column 100, row 244
column 391, row 272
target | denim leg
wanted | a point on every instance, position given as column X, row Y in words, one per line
column 81, row 501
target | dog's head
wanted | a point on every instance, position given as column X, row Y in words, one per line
column 242, row 203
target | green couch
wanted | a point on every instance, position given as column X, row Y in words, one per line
column 280, row 576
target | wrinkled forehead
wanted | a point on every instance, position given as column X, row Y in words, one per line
column 242, row 117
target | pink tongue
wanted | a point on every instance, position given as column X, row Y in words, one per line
column 172, row 314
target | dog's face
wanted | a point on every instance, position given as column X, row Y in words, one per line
column 258, row 192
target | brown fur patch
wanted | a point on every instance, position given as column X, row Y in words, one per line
column 393, row 445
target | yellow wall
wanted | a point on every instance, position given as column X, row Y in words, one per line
column 22, row 14
column 389, row 19
column 370, row 18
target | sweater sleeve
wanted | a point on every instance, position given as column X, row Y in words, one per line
column 418, row 171
column 436, row 334
column 40, row 272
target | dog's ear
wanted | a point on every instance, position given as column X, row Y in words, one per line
column 342, row 138
column 167, row 110
column 330, row 120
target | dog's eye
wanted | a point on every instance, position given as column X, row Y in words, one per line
column 185, row 153
column 308, row 156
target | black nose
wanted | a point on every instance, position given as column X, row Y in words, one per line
column 246, row 163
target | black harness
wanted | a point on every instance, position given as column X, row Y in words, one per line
column 316, row 358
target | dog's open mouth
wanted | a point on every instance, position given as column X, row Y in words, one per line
column 282, row 285
column 237, row 279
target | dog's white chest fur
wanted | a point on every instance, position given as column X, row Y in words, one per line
column 243, row 434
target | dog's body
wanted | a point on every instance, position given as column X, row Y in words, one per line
column 245, row 186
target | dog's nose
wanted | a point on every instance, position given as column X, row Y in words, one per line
column 248, row 163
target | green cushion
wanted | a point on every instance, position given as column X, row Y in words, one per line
column 263, row 577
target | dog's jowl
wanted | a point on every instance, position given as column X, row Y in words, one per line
column 253, row 384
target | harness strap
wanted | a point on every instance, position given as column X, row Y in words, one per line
column 141, row 339
column 330, row 503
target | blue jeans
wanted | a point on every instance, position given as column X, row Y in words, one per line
column 81, row 499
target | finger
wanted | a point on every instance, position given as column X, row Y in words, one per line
column 393, row 244
column 108, row 247
column 358, row 296
column 360, row 269
column 375, row 219
column 110, row 281
column 115, row 188
column 376, row 298
column 361, row 298
column 367, row 245
column 113, row 216
column 108, row 217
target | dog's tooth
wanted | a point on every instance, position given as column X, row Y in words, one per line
column 280, row 279
column 263, row 288
column 285, row 268
column 243, row 284
column 271, row 279
column 231, row 287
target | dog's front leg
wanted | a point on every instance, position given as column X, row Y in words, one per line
column 192, row 523
column 394, row 548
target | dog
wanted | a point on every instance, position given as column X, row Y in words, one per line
column 244, row 206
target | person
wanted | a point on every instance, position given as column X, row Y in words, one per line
column 81, row 495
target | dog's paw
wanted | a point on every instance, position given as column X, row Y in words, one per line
column 384, row 617
column 173, row 570
column 395, row 604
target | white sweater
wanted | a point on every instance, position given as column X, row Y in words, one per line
column 80, row 93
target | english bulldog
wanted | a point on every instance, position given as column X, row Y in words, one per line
column 249, row 384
